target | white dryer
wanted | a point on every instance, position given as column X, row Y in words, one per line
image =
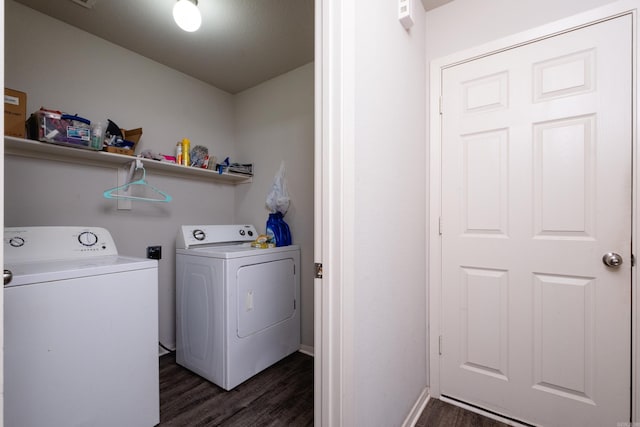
column 80, row 331
column 237, row 307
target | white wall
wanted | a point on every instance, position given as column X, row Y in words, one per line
column 274, row 123
column 388, row 364
column 462, row 24
column 64, row 68
column 61, row 67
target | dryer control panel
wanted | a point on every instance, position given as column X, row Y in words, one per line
column 191, row 236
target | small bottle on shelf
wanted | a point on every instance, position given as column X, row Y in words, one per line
column 179, row 153
column 97, row 135
column 186, row 148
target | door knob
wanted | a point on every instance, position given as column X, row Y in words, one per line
column 612, row 259
column 8, row 275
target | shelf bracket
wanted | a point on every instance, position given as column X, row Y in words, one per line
column 124, row 177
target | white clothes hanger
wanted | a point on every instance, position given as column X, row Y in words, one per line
column 114, row 193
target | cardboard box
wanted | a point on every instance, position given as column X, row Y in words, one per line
column 15, row 113
column 120, row 150
column 132, row 135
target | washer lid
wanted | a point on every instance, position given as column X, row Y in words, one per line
column 234, row 251
column 25, row 273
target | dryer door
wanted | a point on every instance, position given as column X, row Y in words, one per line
column 266, row 295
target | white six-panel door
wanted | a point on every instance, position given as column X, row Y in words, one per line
column 536, row 188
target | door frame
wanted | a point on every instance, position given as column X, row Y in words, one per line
column 2, row 224
column 434, row 260
column 334, row 212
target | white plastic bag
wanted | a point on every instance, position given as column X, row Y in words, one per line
column 278, row 197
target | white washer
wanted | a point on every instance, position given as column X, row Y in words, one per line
column 237, row 307
column 80, row 331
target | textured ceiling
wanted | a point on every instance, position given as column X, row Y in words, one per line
column 241, row 43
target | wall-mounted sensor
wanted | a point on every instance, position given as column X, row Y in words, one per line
column 405, row 13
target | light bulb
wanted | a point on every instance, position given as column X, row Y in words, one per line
column 187, row 15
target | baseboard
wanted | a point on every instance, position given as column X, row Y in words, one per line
column 306, row 349
column 162, row 350
column 416, row 411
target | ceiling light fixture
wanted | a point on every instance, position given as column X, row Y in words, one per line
column 187, row 15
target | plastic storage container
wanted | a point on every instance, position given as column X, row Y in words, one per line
column 59, row 128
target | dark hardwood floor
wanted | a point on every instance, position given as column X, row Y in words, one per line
column 281, row 395
column 438, row 413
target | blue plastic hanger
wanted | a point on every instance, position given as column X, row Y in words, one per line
column 113, row 192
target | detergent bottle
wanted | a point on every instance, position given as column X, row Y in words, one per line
column 272, row 229
column 286, row 232
column 278, row 230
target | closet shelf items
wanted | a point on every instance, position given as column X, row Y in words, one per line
column 35, row 149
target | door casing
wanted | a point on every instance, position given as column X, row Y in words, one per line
column 435, row 182
column 334, row 211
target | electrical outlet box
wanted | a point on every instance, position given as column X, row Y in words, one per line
column 405, row 13
column 154, row 252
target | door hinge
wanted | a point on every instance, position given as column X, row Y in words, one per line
column 440, row 345
column 440, row 105
column 318, row 269
column 440, row 225
column 633, row 260
column 294, row 304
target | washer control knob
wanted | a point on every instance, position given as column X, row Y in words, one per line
column 199, row 235
column 250, row 233
column 242, row 232
column 87, row 238
column 16, row 242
